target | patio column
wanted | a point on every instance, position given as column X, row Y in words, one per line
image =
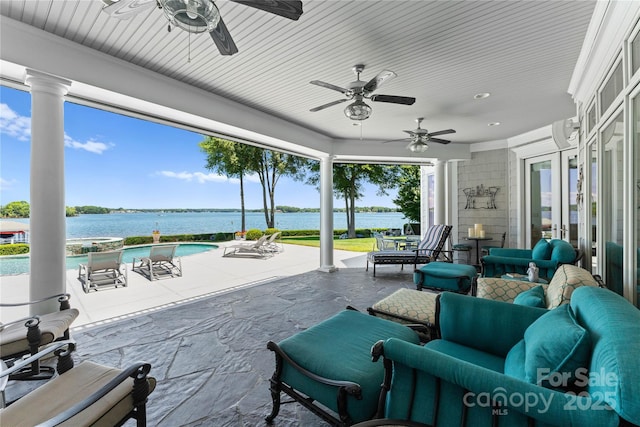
column 439, row 208
column 326, row 215
column 47, row 205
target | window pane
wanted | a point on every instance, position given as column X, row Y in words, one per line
column 612, row 202
column 541, row 201
column 636, row 142
column 612, row 88
column 635, row 54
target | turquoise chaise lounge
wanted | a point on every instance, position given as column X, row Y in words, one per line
column 511, row 365
column 547, row 255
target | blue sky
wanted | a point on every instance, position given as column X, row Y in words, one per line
column 117, row 161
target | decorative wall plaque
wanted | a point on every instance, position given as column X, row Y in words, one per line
column 481, row 197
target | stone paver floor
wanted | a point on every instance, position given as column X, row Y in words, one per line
column 210, row 357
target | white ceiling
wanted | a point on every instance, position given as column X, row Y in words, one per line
column 444, row 52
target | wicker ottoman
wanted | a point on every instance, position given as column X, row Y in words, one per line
column 410, row 307
column 445, row 276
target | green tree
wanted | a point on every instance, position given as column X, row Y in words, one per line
column 408, row 199
column 238, row 160
column 349, row 180
column 15, row 210
column 270, row 167
column 229, row 158
column 71, row 211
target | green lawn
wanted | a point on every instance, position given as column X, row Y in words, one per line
column 355, row 245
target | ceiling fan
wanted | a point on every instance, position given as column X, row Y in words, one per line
column 198, row 16
column 359, row 90
column 419, row 137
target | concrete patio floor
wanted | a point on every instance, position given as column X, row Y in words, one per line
column 205, row 333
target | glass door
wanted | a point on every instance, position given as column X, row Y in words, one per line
column 569, row 229
column 542, row 201
column 551, row 188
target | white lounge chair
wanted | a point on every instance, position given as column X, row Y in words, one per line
column 271, row 245
column 257, row 249
column 161, row 262
column 103, row 269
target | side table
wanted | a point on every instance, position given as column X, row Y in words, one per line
column 477, row 239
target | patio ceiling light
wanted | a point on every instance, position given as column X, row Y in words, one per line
column 194, row 16
column 358, row 110
column 417, row 146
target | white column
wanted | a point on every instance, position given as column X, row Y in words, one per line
column 47, row 205
column 439, row 201
column 326, row 215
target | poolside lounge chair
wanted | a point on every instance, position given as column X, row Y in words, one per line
column 258, row 248
column 429, row 249
column 26, row 336
column 271, row 245
column 88, row 394
column 103, row 269
column 161, row 262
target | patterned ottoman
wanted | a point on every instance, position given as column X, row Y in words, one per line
column 445, row 276
column 410, row 307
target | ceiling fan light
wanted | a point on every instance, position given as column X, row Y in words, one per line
column 358, row 110
column 194, row 16
column 417, row 147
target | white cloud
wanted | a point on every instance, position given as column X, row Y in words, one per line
column 13, row 124
column 194, row 176
column 19, row 127
column 202, row 178
column 90, row 145
column 6, row 184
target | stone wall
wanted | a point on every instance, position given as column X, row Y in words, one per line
column 486, row 169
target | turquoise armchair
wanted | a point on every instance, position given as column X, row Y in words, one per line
column 472, row 376
column 547, row 255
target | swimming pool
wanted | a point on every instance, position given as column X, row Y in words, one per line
column 10, row 265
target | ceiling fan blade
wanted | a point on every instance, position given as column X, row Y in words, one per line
column 223, row 40
column 378, row 80
column 291, row 9
column 438, row 140
column 410, row 132
column 396, row 140
column 125, row 9
column 331, row 104
column 441, row 132
column 405, row 100
column 329, row 86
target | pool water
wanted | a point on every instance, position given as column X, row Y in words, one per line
column 20, row 264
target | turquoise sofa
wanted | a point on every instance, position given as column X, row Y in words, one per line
column 547, row 255
column 511, row 365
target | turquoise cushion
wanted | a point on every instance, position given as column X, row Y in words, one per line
column 339, row 348
column 542, row 250
column 533, row 297
column 562, row 251
column 555, row 343
column 515, row 361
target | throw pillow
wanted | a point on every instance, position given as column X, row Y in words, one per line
column 533, row 297
column 542, row 250
column 555, row 347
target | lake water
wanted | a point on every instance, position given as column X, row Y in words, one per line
column 141, row 224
